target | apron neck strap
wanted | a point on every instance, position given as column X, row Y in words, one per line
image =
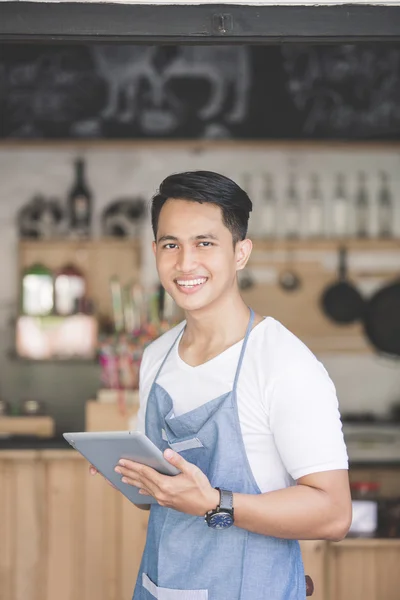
column 243, row 350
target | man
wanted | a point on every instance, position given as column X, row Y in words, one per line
column 241, row 407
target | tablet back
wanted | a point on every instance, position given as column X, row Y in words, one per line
column 103, row 449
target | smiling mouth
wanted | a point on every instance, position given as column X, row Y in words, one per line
column 190, row 284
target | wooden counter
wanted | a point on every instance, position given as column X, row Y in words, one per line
column 64, row 535
column 68, row 536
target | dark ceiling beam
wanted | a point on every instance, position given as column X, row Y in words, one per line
column 206, row 23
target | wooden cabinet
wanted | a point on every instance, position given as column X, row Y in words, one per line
column 364, row 570
column 314, row 553
column 64, row 534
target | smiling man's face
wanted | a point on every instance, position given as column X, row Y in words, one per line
column 196, row 259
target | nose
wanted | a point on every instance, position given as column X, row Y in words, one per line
column 186, row 260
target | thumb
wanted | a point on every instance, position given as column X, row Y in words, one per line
column 176, row 459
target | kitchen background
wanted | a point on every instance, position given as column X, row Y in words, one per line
column 365, row 382
column 87, row 133
column 309, row 131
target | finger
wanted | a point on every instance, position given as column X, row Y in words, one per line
column 180, row 463
column 92, row 470
column 149, row 487
column 139, row 472
column 132, row 481
column 130, row 477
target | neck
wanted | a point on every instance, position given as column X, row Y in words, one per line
column 222, row 323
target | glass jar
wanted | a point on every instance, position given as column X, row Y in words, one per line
column 365, row 508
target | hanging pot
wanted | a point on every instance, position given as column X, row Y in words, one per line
column 382, row 319
column 341, row 301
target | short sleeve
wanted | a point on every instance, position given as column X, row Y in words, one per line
column 305, row 419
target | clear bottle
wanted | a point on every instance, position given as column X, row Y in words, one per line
column 315, row 209
column 69, row 290
column 268, row 209
column 362, row 207
column 340, row 209
column 385, row 208
column 80, row 203
column 292, row 210
column 37, row 294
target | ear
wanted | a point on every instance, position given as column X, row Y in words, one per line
column 154, row 248
column 242, row 251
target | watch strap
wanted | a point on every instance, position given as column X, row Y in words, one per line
column 225, row 500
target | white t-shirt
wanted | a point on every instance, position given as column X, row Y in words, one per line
column 287, row 404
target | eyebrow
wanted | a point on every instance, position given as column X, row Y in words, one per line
column 172, row 238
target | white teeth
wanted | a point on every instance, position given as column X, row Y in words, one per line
column 191, row 283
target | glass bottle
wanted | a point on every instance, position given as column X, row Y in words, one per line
column 340, row 208
column 385, row 208
column 292, row 212
column 69, row 291
column 268, row 209
column 37, row 291
column 362, row 207
column 80, row 203
column 315, row 209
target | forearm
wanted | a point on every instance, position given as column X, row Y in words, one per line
column 298, row 512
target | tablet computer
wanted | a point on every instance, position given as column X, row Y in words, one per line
column 103, row 449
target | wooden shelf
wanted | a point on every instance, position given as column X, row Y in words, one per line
column 98, row 259
column 42, row 426
column 328, row 244
column 199, row 144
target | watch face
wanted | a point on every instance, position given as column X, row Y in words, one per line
column 220, row 520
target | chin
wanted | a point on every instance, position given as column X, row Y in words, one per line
column 192, row 305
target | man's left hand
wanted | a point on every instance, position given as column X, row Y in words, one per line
column 189, row 492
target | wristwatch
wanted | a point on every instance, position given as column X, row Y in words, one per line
column 222, row 516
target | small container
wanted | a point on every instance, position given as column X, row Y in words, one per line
column 32, row 408
column 4, row 408
column 365, row 508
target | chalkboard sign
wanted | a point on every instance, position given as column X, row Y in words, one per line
column 187, row 91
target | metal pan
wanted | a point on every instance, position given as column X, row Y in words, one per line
column 382, row 319
column 341, row 301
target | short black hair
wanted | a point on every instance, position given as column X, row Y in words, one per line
column 206, row 186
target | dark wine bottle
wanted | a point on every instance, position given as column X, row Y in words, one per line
column 80, row 203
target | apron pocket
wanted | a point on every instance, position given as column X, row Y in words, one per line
column 184, row 445
column 167, row 594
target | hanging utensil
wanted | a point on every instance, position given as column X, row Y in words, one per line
column 341, row 301
column 382, row 319
column 289, row 280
